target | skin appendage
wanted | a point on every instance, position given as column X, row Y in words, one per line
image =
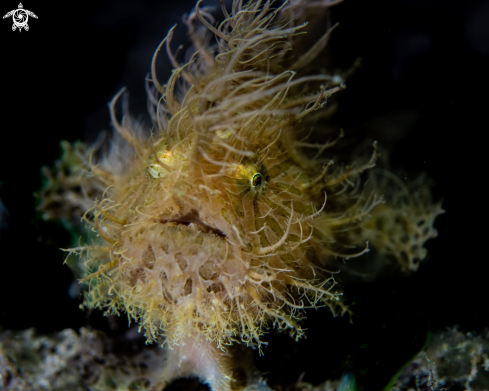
column 221, row 225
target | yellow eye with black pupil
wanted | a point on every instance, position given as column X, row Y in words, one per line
column 256, row 180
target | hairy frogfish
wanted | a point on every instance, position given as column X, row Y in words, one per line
column 229, row 216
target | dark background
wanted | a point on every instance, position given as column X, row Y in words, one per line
column 422, row 91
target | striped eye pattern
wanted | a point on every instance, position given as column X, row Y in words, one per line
column 256, row 180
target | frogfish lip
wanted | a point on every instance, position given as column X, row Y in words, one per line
column 191, row 220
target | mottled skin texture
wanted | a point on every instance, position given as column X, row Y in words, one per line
column 221, row 225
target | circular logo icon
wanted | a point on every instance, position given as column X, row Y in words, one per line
column 20, row 17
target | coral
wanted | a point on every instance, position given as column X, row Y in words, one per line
column 77, row 361
column 92, row 360
column 69, row 188
column 399, row 228
column 221, row 225
column 452, row 360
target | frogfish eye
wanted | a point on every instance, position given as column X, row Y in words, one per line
column 256, row 180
